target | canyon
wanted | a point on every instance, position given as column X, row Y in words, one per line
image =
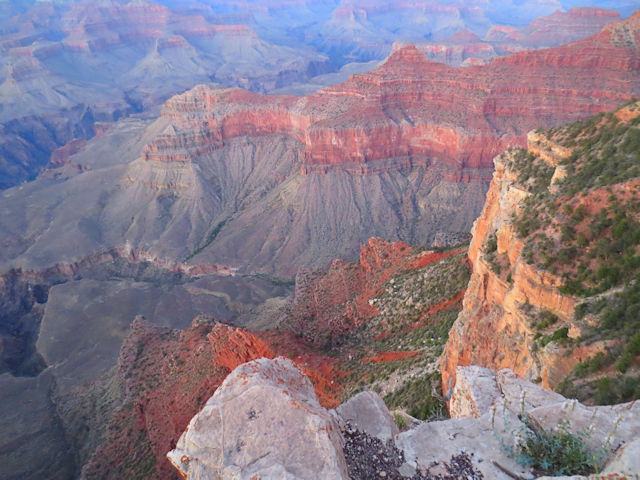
column 55, row 88
column 272, row 183
column 171, row 233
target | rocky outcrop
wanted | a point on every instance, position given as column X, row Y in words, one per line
column 234, row 434
column 167, row 376
column 263, row 422
column 323, row 315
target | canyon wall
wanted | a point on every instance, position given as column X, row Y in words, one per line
column 326, row 167
column 546, row 238
column 411, row 108
column 495, row 327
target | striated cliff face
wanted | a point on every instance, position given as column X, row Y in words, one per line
column 494, row 329
column 54, row 85
column 277, row 182
column 550, row 239
column 403, row 109
column 467, row 49
column 274, row 183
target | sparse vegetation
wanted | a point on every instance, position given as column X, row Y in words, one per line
column 421, row 397
column 586, row 230
column 400, row 421
column 555, row 452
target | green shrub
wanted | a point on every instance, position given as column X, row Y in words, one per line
column 420, row 397
column 624, row 362
column 559, row 335
column 610, row 391
column 555, row 453
column 492, row 244
column 633, row 347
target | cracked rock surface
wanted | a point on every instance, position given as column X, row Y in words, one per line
column 263, row 422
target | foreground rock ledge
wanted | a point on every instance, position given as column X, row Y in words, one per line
column 263, row 422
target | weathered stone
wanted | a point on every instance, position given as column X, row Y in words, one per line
column 488, row 438
column 626, row 461
column 263, row 422
column 367, row 412
column 520, row 395
column 475, row 391
column 604, row 428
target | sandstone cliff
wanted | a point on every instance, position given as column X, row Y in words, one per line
column 548, row 241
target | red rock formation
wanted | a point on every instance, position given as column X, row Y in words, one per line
column 332, row 304
column 413, row 109
column 168, row 376
column 233, row 346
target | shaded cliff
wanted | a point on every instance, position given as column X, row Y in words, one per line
column 55, row 87
column 556, row 264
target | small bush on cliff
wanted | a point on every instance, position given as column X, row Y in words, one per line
column 555, row 452
column 421, row 398
column 492, row 244
column 560, row 335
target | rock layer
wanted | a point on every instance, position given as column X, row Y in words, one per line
column 494, row 330
column 403, row 109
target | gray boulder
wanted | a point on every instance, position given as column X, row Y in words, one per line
column 263, row 422
column 367, row 412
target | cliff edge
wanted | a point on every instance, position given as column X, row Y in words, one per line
column 555, row 263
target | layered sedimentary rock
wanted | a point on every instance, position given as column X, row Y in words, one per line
column 54, row 85
column 520, row 309
column 271, row 183
column 408, row 109
column 326, row 166
column 494, row 330
column 466, row 48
